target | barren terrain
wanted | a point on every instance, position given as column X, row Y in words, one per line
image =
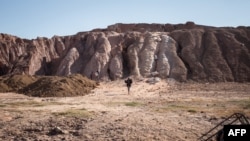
column 166, row 111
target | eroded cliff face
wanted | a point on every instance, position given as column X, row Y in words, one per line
column 183, row 52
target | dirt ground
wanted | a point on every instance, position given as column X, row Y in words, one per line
column 165, row 111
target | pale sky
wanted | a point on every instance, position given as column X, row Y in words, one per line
column 46, row 18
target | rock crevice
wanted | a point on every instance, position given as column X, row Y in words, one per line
column 183, row 52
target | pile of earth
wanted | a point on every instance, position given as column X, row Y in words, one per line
column 47, row 86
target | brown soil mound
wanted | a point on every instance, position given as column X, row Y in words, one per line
column 47, row 86
column 13, row 83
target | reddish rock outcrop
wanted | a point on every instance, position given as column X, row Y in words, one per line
column 183, row 52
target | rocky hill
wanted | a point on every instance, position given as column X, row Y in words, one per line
column 183, row 52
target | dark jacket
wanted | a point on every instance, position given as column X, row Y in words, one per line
column 129, row 82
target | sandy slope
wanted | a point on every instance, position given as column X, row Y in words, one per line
column 164, row 111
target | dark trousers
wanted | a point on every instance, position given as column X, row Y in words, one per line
column 128, row 87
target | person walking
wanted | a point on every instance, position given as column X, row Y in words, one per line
column 129, row 82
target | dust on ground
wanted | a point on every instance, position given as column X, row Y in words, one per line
column 167, row 110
